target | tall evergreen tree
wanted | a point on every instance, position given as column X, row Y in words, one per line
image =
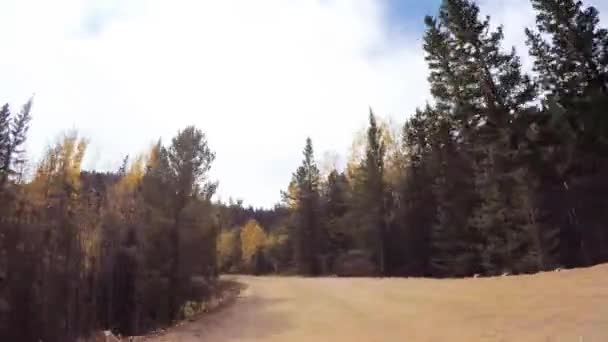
column 573, row 64
column 414, row 203
column 454, row 245
column 5, row 142
column 461, row 48
column 570, row 53
column 375, row 194
column 19, row 128
column 336, row 206
column 307, row 241
column 13, row 133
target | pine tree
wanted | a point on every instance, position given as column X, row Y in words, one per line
column 336, row 206
column 13, row 133
column 461, row 48
column 573, row 66
column 414, row 204
column 5, row 142
column 455, row 246
column 19, row 129
column 571, row 59
column 374, row 193
column 307, row 237
column 574, row 63
column 336, row 194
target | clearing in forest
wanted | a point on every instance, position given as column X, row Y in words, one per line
column 558, row 306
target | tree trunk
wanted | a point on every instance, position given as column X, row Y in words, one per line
column 174, row 277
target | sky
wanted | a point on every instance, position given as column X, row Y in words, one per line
column 257, row 77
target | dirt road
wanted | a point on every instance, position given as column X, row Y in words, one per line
column 569, row 306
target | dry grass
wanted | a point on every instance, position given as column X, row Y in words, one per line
column 557, row 306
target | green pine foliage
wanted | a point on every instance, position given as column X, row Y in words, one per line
column 13, row 133
column 307, row 224
column 570, row 49
column 374, row 188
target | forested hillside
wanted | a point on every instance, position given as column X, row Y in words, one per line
column 502, row 171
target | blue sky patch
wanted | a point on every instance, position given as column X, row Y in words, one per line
column 408, row 15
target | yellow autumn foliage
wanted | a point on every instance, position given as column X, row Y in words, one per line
column 153, row 155
column 253, row 239
column 60, row 167
column 226, row 247
column 290, row 197
column 133, row 176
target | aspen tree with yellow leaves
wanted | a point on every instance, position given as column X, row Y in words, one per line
column 253, row 239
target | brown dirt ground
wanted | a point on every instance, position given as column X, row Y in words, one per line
column 569, row 306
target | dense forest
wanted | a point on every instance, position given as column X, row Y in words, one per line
column 500, row 173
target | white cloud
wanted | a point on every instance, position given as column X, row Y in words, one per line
column 256, row 76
